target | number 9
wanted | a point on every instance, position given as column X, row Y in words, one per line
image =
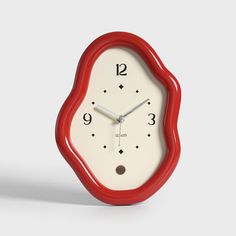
column 87, row 118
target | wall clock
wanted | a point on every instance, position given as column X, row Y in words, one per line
column 118, row 127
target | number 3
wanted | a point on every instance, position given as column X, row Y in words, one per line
column 153, row 116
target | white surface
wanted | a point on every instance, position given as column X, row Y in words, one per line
column 141, row 163
column 40, row 45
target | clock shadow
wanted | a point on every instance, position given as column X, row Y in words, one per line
column 23, row 189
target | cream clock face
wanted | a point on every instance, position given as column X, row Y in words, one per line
column 118, row 128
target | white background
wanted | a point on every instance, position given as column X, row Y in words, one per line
column 40, row 45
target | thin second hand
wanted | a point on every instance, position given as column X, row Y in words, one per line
column 119, row 133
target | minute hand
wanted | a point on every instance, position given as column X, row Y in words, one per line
column 135, row 108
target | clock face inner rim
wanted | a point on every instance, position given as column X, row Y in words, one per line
column 138, row 74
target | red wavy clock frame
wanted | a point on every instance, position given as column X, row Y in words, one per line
column 76, row 96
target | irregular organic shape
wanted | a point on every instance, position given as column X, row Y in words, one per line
column 118, row 127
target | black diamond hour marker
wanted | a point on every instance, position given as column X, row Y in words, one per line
column 121, row 151
column 121, row 86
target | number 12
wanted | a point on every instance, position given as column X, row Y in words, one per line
column 120, row 69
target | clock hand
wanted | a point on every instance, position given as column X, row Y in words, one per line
column 135, row 108
column 119, row 132
column 120, row 120
column 108, row 113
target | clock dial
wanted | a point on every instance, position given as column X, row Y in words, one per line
column 118, row 128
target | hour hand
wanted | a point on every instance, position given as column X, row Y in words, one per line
column 107, row 113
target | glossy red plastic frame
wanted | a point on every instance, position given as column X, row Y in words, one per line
column 76, row 96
